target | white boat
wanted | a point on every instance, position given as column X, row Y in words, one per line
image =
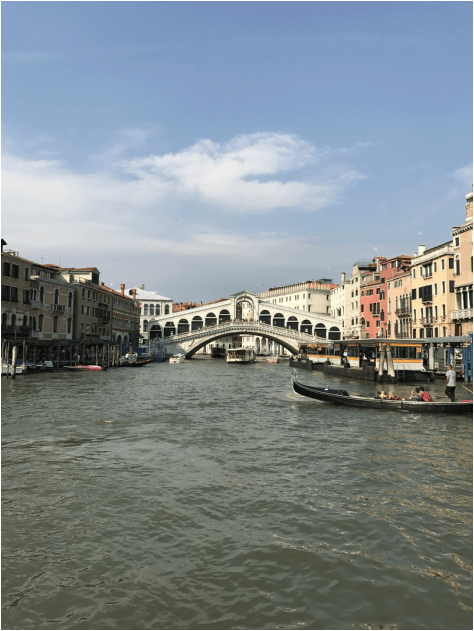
column 177, row 359
column 240, row 356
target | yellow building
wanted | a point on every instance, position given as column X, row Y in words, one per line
column 433, row 298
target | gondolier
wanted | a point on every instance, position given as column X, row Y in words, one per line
column 450, row 383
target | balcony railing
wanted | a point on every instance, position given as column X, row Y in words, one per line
column 427, row 298
column 461, row 314
column 57, row 307
column 428, row 320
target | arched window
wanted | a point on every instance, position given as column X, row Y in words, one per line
column 278, row 319
column 320, row 330
column 224, row 316
column 210, row 319
column 306, row 327
column 170, row 329
column 145, row 326
column 145, row 309
column 69, row 325
column 56, row 296
column 152, row 310
column 69, row 300
column 334, row 333
column 40, row 323
column 158, row 310
column 292, row 323
column 42, row 295
column 183, row 326
column 196, row 323
column 156, row 331
column 265, row 317
column 167, row 309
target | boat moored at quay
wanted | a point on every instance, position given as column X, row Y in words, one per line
column 392, row 359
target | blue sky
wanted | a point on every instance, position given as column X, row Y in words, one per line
column 203, row 148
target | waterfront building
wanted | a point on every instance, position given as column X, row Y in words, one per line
column 37, row 304
column 462, row 250
column 433, row 297
column 126, row 317
column 399, row 323
column 310, row 295
column 152, row 305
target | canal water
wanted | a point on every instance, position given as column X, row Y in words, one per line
column 210, row 496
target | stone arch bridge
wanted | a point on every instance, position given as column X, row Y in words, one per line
column 243, row 313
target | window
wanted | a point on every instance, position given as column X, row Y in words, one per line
column 14, row 294
column 443, row 287
column 27, row 273
column 26, row 297
column 456, row 242
column 436, row 289
column 451, row 263
column 458, row 266
column 41, row 296
column 6, row 269
column 451, row 287
column 435, row 267
column 414, row 273
column 6, row 293
column 55, row 324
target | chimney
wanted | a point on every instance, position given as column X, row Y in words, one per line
column 421, row 249
column 122, row 288
column 143, row 287
column 343, row 277
column 469, row 205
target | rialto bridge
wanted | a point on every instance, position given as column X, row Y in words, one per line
column 243, row 313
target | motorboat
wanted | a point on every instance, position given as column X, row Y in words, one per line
column 177, row 359
column 342, row 397
column 240, row 356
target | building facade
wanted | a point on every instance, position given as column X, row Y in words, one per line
column 152, row 305
column 462, row 250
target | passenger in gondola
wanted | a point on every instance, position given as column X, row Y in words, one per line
column 393, row 397
column 425, row 396
column 415, row 395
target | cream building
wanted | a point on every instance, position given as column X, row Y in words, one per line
column 152, row 305
column 462, row 250
column 433, row 297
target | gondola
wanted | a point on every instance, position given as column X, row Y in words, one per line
column 341, row 397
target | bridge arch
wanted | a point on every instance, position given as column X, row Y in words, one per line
column 292, row 323
column 320, row 330
column 170, row 329
column 265, row 316
column 306, row 327
column 212, row 338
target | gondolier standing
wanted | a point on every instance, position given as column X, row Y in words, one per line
column 450, row 383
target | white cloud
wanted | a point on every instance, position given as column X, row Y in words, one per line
column 48, row 206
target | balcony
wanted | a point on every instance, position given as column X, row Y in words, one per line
column 427, row 299
column 36, row 304
column 57, row 308
column 461, row 314
column 403, row 312
column 428, row 320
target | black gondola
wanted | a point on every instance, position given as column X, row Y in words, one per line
column 341, row 397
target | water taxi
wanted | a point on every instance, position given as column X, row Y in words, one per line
column 177, row 359
column 240, row 356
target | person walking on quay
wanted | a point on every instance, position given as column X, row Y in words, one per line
column 450, row 383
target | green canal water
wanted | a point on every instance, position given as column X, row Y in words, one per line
column 210, row 496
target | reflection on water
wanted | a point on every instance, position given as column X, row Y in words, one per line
column 204, row 495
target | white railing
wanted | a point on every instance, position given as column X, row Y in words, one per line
column 250, row 328
column 461, row 314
